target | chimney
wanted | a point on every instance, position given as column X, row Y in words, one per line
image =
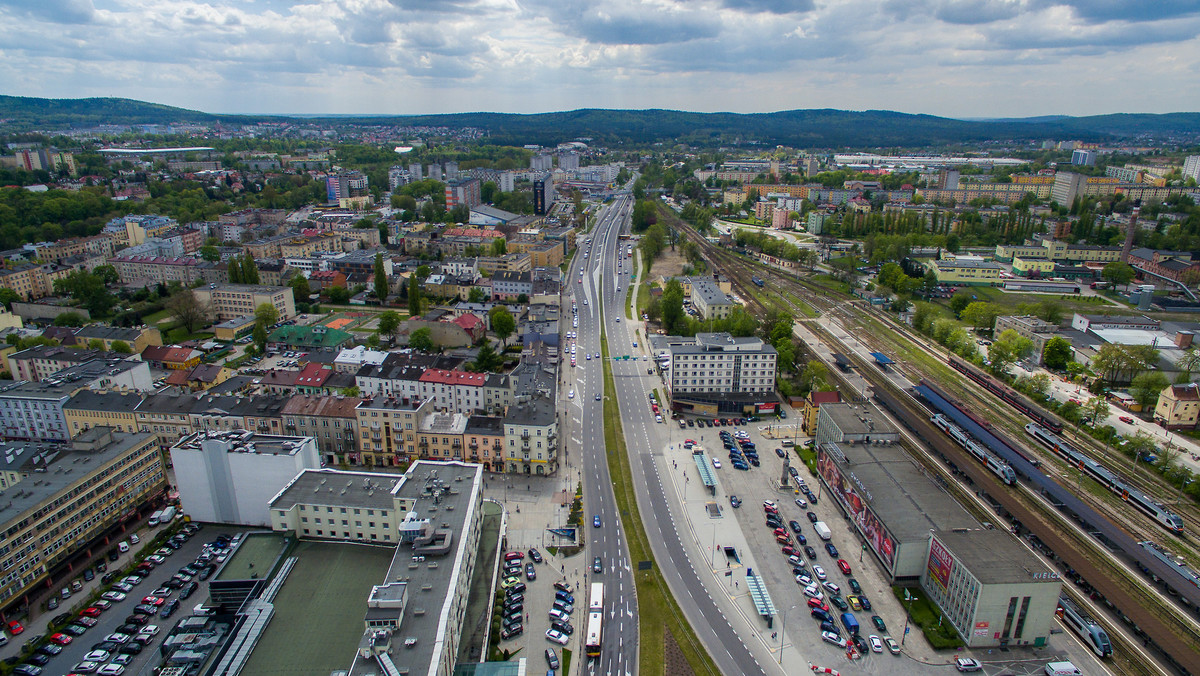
column 1129, row 232
column 1183, row 339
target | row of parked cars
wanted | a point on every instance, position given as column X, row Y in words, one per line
column 512, row 611
column 111, row 655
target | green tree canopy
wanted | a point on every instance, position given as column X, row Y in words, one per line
column 503, row 323
column 121, row 347
column 421, row 339
column 1057, row 353
column 1147, row 386
column 69, row 319
column 266, row 314
column 389, row 323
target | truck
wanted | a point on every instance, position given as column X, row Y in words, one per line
column 1062, row 669
column 823, row 530
column 155, row 518
column 167, row 515
column 850, row 623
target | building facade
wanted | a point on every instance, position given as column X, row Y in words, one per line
column 232, row 301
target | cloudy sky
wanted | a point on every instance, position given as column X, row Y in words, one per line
column 960, row 58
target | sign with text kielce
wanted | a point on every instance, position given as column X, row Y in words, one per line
column 941, row 562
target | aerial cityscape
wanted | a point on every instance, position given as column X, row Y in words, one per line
column 481, row 339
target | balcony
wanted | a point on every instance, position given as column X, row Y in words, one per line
column 423, row 443
column 525, row 435
column 498, row 446
column 456, row 444
column 474, row 446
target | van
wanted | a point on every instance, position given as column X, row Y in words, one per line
column 788, row 443
column 1062, row 669
column 122, row 546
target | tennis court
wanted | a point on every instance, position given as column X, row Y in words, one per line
column 319, row 611
column 339, row 323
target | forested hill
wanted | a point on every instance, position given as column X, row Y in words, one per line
column 825, row 128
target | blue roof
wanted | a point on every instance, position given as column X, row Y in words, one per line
column 881, row 358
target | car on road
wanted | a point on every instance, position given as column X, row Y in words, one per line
column 810, row 552
column 535, row 555
column 830, row 637
column 556, row 636
column 530, row 572
column 735, row 501
column 876, row 644
column 1126, row 419
column 716, row 463
column 820, row 573
column 854, row 603
column 551, row 658
column 795, row 526
column 967, row 664
column 596, row 521
column 866, row 602
column 812, row 517
column 831, row 549
column 597, row 565
column 892, row 646
column 854, row 585
column 564, row 627
column 860, row 643
column 839, row 603
column 843, row 566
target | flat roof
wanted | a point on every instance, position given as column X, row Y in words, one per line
column 907, row 502
column 256, row 553
column 995, row 557
column 333, row 487
column 853, row 419
column 241, row 441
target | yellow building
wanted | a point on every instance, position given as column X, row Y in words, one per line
column 87, row 409
column 969, row 272
column 28, row 280
column 1027, row 266
column 137, row 339
column 233, row 301
column 440, row 436
column 387, row 430
column 1178, row 407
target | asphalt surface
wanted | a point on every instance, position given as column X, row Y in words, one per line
column 619, row 638
column 645, row 438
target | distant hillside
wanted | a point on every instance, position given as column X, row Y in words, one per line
column 825, row 128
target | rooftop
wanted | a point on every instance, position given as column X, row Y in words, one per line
column 39, row 390
column 538, row 411
column 244, row 441
column 710, row 293
column 444, row 423
column 337, row 487
column 102, row 400
column 995, row 557
column 857, row 419
column 248, row 288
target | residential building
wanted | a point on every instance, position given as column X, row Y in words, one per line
column 137, row 339
column 314, row 378
column 1191, row 168
column 531, row 437
column 101, row 408
column 387, row 430
column 292, row 336
column 34, row 410
column 543, row 194
column 1177, row 266
column 1028, row 326
column 993, row 590
column 511, row 285
column 172, row 357
column 157, row 269
column 114, row 374
column 710, row 301
column 453, row 391
column 230, row 477
column 350, row 360
column 463, row 192
column 812, row 406
column 27, row 280
column 232, row 301
column 1178, row 407
column 43, row 361
column 484, row 441
column 166, row 416
column 233, row 329
column 440, row 436
column 91, row 485
column 331, row 420
column 966, row 271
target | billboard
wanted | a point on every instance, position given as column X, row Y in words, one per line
column 868, row 524
column 941, row 562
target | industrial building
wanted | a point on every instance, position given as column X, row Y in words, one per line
column 229, row 477
column 992, row 589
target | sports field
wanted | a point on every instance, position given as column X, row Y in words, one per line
column 319, row 611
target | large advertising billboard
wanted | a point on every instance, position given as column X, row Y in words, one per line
column 877, row 536
column 941, row 562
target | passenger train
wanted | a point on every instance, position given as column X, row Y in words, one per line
column 1092, row 634
column 1110, row 480
column 1014, row 399
column 994, row 464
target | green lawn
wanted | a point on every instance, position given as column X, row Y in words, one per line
column 156, row 317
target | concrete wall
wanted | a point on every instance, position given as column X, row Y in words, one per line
column 39, row 311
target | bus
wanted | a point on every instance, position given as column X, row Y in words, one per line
column 595, row 619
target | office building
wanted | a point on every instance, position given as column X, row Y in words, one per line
column 543, row 194
column 232, row 301
column 993, row 590
column 720, row 363
column 230, row 477
column 433, row 514
column 66, row 497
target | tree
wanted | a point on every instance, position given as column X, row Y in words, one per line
column 389, row 323
column 1146, row 387
column 259, row 336
column 421, row 339
column 87, row 288
column 381, row 284
column 187, row 309
column 1008, row 348
column 338, row 295
column 69, row 319
column 1057, row 353
column 476, row 295
column 981, row 315
column 210, row 253
column 8, row 297
column 487, row 360
column 95, row 344
column 107, row 274
column 814, row 375
column 1096, row 410
column 1118, row 273
column 503, row 323
column 523, row 298
column 672, row 306
column 959, row 302
column 300, row 287
column 266, row 314
column 1188, row 362
column 121, row 347
column 414, row 296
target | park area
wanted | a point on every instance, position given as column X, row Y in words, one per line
column 318, row 618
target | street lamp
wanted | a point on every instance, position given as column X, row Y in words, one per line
column 783, row 632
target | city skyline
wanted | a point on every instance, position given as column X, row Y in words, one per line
column 955, row 58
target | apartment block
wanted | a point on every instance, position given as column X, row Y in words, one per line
column 387, row 430
column 230, row 301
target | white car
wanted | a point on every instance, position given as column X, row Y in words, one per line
column 803, row 579
column 876, row 644
column 97, row 656
column 556, row 636
column 118, row 638
column 716, row 463
column 833, row 588
column 801, row 503
column 819, row 572
column 149, row 630
column 813, row 592
column 114, row 596
column 571, row 394
column 830, row 637
column 85, row 667
column 111, row 670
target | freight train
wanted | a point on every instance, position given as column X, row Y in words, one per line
column 1110, row 480
column 1036, row 413
column 1092, row 634
column 994, row 464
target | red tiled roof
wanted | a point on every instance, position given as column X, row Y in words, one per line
column 827, row 397
column 169, row 353
column 445, row 377
column 313, row 375
column 177, row 377
column 468, row 321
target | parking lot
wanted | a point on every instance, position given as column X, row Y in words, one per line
column 102, row 618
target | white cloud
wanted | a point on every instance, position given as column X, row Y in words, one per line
column 950, row 57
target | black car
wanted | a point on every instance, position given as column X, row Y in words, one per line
column 74, row 629
column 107, row 578
column 794, row 525
column 513, row 608
column 50, row 649
column 564, row 627
column 169, row 608
column 60, row 619
column 40, row 659
column 831, row 549
column 207, row 572
column 173, row 583
column 137, row 619
column 535, row 555
column 106, row 646
column 861, row 643
column 513, row 623
column 511, row 632
column 530, row 572
column 130, row 648
column 812, row 517
column 812, row 553
column 597, row 565
column 512, row 614
column 515, row 598
column 187, row 590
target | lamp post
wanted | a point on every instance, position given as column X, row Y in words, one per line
column 783, row 632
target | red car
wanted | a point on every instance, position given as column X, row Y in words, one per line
column 788, row 551
column 15, row 628
column 91, row 611
column 153, row 601
column 845, row 567
column 818, row 603
column 60, row 639
column 1126, row 419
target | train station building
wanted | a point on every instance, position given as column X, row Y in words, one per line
column 991, row 588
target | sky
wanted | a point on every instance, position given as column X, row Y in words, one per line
column 955, row 58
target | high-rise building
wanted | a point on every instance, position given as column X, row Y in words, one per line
column 1083, row 158
column 543, row 194
column 1191, row 168
column 541, row 162
column 346, row 184
column 451, row 171
column 568, row 161
column 414, row 170
column 506, row 181
column 463, row 192
column 435, row 172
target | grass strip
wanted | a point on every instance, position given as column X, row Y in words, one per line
column 657, row 609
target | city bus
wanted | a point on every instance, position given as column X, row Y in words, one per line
column 595, row 619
